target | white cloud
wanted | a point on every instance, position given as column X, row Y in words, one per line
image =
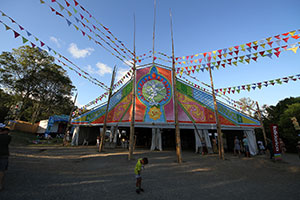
column 55, row 41
column 79, row 53
column 101, row 69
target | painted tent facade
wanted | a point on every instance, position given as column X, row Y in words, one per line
column 155, row 105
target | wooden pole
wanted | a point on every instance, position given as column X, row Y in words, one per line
column 154, row 32
column 102, row 136
column 261, row 124
column 69, row 121
column 131, row 137
column 220, row 134
column 175, row 97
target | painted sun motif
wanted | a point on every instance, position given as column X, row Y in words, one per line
column 154, row 113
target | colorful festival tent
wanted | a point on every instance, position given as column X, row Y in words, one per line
column 154, row 107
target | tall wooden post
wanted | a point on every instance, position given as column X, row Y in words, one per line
column 131, row 137
column 102, row 136
column 220, row 134
column 175, row 97
column 261, row 124
column 69, row 121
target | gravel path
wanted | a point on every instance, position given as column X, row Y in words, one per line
column 82, row 173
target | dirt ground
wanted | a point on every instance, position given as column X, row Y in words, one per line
column 82, row 173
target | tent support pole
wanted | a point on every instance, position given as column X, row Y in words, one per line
column 175, row 97
column 220, row 134
column 102, row 134
column 132, row 121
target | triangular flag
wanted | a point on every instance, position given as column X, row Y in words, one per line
column 263, row 45
column 76, row 3
column 69, row 13
column 29, row 34
column 255, row 43
column 230, row 53
column 16, row 34
column 270, row 43
column 236, row 52
column 235, row 63
column 295, row 37
column 277, row 53
column 286, row 39
column 254, row 58
column 249, row 49
column 69, row 23
column 294, row 49
column 262, row 53
column 42, row 43
column 7, row 28
column 255, row 47
column 61, row 7
column 21, row 28
column 249, row 44
column 277, row 37
column 269, row 39
column 269, row 55
column 292, row 33
column 230, row 48
column 277, row 48
column 24, row 40
column 285, row 34
column 236, row 47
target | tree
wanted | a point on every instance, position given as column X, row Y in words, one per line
column 35, row 80
column 248, row 105
column 281, row 114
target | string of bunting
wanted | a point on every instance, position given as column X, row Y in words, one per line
column 258, row 85
column 42, row 44
column 249, row 46
column 87, row 35
column 79, row 21
column 91, row 16
column 245, row 59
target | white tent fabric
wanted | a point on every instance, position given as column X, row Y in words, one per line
column 203, row 134
column 75, row 136
column 251, row 141
column 156, row 139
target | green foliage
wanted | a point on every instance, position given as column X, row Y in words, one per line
column 281, row 114
column 42, row 87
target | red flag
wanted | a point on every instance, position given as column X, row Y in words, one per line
column 200, row 60
column 235, row 58
column 192, row 57
column 187, row 57
column 249, row 44
column 220, row 56
column 218, row 62
column 16, row 34
column 230, row 53
column 81, row 16
column 76, row 3
column 220, row 51
column 286, row 39
column 154, row 58
column 285, row 34
column 229, row 60
column 42, row 43
column 176, row 58
column 262, row 53
column 191, row 61
column 223, row 65
column 57, row 13
column 284, row 47
column 204, row 54
column 33, row 45
column 140, row 60
column 237, row 47
column 270, row 43
column 277, row 37
column 52, row 9
column 255, row 47
column 295, row 37
column 236, row 52
column 53, row 0
column 67, row 3
column 277, row 49
column 254, row 58
column 21, row 28
column 83, row 33
column 277, row 53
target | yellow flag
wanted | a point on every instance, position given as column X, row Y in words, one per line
column 294, row 49
column 243, row 49
column 196, row 60
column 214, row 57
column 269, row 39
column 263, row 45
column 196, row 55
column 183, row 57
column 214, row 52
column 70, row 14
column 292, row 33
column 76, row 27
column 190, row 67
column 255, row 42
column 230, row 48
column 183, row 62
column 225, row 54
column 181, row 72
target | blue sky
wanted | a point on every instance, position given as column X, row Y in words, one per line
column 199, row 26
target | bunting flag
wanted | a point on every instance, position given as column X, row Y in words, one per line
column 259, row 85
column 119, row 56
column 24, row 40
column 254, row 56
column 250, row 45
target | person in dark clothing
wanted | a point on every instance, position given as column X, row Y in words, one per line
column 5, row 139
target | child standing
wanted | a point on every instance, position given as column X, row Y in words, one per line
column 137, row 170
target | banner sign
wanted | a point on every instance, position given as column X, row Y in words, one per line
column 275, row 140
